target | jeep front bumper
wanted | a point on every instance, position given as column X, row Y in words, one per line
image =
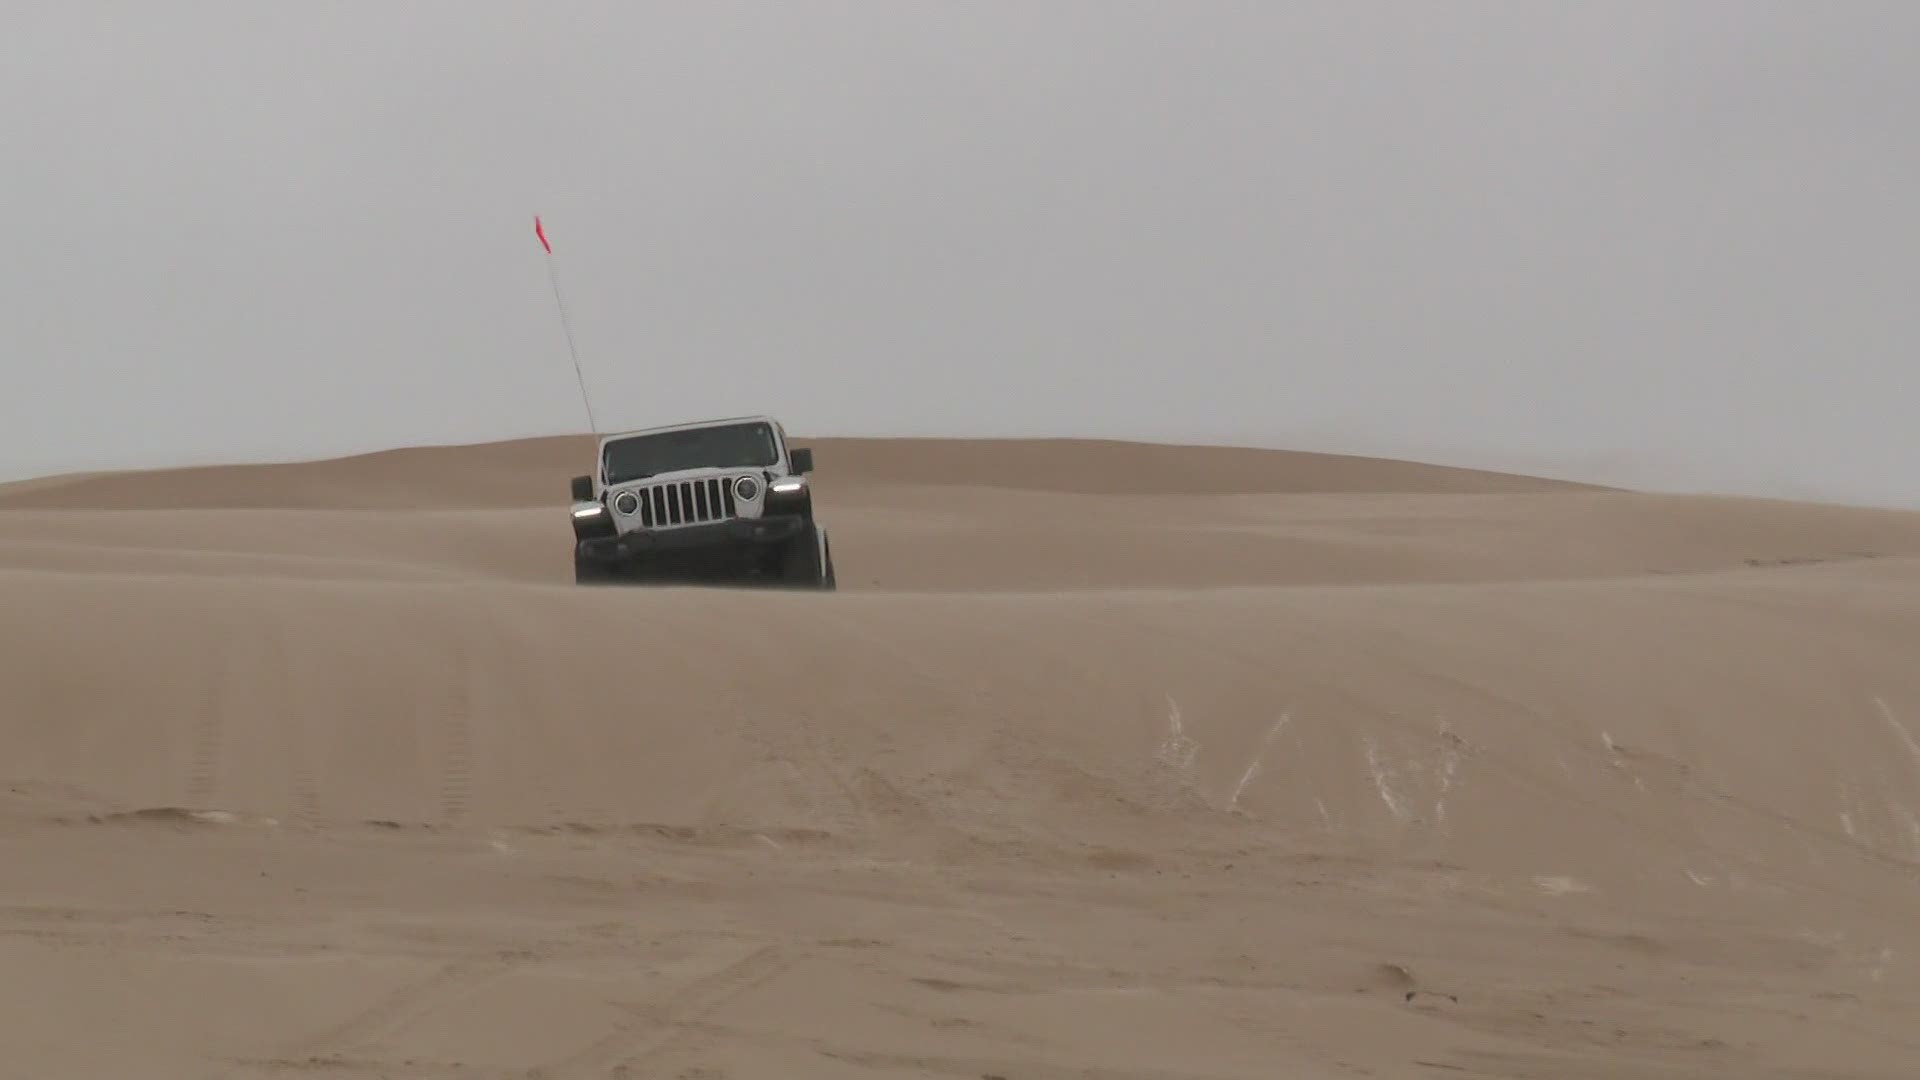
column 737, row 533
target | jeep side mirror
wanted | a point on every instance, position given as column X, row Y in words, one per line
column 583, row 489
column 802, row 458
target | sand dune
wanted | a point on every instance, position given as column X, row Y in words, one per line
column 528, row 472
column 1108, row 760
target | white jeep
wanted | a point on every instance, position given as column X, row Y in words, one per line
column 724, row 499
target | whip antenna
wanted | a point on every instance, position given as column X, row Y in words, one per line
column 566, row 326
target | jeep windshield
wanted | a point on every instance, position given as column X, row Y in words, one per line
column 730, row 446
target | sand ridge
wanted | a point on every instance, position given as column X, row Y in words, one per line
column 522, row 473
column 1108, row 759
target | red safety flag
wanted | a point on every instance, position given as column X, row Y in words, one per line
column 541, row 232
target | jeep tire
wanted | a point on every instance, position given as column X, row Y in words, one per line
column 588, row 571
column 801, row 563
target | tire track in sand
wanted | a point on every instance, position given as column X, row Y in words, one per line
column 293, row 732
column 399, row 1009
column 209, row 743
column 353, row 1044
column 456, row 733
column 209, row 746
column 632, row 1047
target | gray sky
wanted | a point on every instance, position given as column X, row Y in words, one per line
column 1671, row 244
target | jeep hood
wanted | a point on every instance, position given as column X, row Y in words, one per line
column 701, row 473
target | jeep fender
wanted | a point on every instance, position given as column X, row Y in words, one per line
column 788, row 502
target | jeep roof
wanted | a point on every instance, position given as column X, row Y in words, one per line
column 684, row 425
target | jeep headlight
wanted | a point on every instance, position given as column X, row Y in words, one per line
column 746, row 489
column 626, row 502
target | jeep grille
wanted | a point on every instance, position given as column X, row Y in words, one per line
column 678, row 503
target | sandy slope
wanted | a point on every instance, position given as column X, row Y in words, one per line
column 1107, row 761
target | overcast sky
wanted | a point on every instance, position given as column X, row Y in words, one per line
column 1670, row 243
